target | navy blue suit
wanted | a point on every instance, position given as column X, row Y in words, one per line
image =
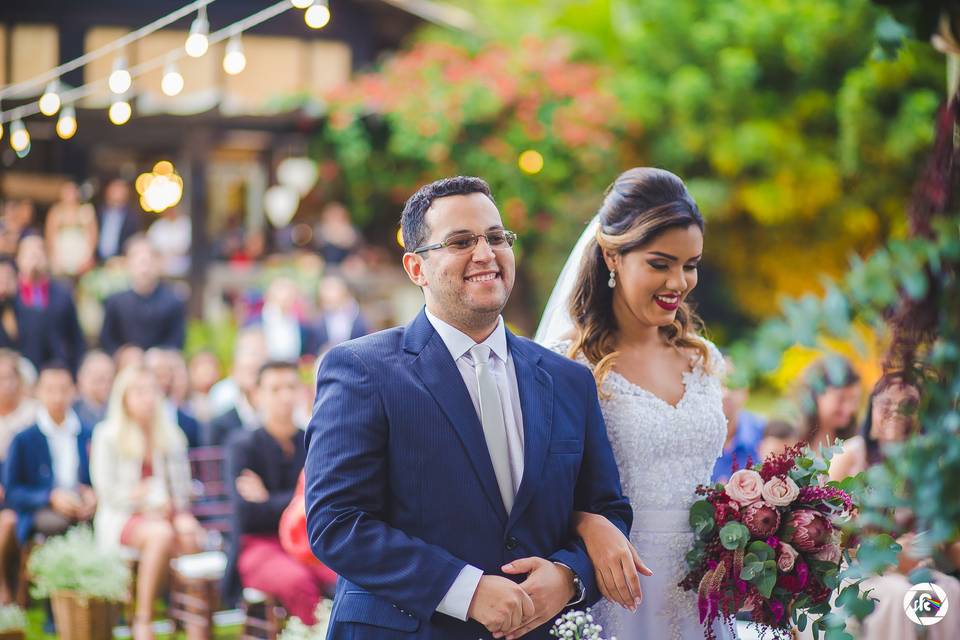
column 400, row 488
column 28, row 474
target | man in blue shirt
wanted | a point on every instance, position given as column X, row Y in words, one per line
column 744, row 431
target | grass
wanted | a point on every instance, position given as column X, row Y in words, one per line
column 36, row 616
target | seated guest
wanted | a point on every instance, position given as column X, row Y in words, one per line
column 235, row 395
column 744, row 430
column 203, row 373
column 264, row 466
column 288, row 337
column 141, row 474
column 47, row 474
column 94, row 382
column 17, row 412
column 777, row 436
column 149, row 313
column 166, row 365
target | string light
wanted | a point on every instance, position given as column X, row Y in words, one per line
column 50, row 100
column 19, row 136
column 301, row 4
column 318, row 15
column 530, row 162
column 234, row 61
column 198, row 42
column 67, row 123
column 172, row 82
column 120, row 79
column 120, row 112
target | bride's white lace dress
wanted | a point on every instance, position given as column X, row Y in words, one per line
column 663, row 452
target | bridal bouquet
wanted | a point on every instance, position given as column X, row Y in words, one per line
column 768, row 542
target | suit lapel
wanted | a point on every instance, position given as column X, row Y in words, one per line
column 536, row 403
column 438, row 372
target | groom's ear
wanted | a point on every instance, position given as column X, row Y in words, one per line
column 413, row 265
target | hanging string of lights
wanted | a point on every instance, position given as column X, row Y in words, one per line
column 120, row 80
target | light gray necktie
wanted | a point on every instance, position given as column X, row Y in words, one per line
column 494, row 425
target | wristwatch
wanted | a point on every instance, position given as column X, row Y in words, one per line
column 580, row 591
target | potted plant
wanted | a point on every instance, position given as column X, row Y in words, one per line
column 13, row 622
column 83, row 582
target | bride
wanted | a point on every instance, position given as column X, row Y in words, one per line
column 620, row 308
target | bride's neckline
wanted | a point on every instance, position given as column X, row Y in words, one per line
column 638, row 390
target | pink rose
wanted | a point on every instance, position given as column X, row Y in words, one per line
column 761, row 519
column 787, row 558
column 780, row 491
column 745, row 486
column 807, row 530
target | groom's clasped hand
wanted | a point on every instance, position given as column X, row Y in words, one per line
column 509, row 610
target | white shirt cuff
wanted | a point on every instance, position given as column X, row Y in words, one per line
column 456, row 603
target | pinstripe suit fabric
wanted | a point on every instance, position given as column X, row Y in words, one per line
column 401, row 492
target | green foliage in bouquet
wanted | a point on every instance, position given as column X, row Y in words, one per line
column 74, row 562
column 12, row 618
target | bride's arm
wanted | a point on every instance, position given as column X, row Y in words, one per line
column 614, row 559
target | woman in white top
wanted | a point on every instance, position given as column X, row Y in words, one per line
column 141, row 474
column 71, row 233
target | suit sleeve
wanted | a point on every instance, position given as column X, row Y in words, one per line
column 347, row 494
column 597, row 491
column 76, row 344
column 109, row 340
column 21, row 494
column 177, row 324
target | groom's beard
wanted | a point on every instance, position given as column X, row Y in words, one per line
column 460, row 309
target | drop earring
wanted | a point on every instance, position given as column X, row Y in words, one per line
column 612, row 282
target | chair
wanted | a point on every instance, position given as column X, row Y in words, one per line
column 264, row 616
column 195, row 578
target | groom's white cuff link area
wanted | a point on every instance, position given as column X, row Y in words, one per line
column 456, row 603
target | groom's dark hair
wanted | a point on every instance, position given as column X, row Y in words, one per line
column 413, row 219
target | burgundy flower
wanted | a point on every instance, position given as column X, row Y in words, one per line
column 807, row 530
column 795, row 581
column 761, row 519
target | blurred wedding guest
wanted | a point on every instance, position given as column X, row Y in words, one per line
column 204, row 372
column 335, row 236
column 94, row 382
column 141, row 474
column 249, row 354
column 17, row 412
column 293, row 534
column 47, row 472
column 777, row 436
column 340, row 318
column 48, row 326
column 744, row 430
column 892, row 418
column 71, row 233
column 829, row 401
column 171, row 237
column 149, row 314
column 166, row 365
column 264, row 466
column 117, row 222
column 16, row 220
column 128, row 355
column 10, row 308
column 287, row 336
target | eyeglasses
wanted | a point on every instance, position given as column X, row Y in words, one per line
column 464, row 242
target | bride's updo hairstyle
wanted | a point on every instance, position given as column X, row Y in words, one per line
column 640, row 205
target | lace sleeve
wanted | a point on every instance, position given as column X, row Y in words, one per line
column 560, row 346
column 716, row 366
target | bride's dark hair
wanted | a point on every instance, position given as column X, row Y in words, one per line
column 641, row 204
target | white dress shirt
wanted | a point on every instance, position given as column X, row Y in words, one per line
column 457, row 601
column 282, row 333
column 62, row 441
column 110, row 230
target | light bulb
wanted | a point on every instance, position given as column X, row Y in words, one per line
column 197, row 42
column 50, row 100
column 172, row 82
column 120, row 79
column 67, row 123
column 19, row 136
column 120, row 112
column 234, row 61
column 301, row 4
column 317, row 16
column 1, row 131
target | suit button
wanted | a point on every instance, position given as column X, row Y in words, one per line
column 511, row 543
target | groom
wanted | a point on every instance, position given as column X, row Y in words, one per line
column 445, row 458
